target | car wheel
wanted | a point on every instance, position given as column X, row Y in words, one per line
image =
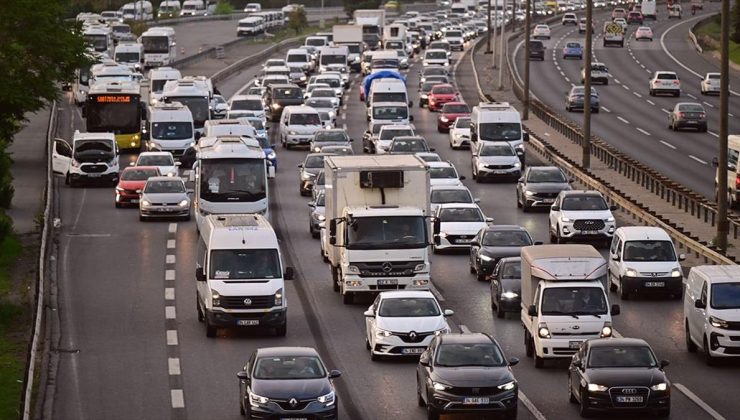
column 606, row 82
column 708, row 358
column 480, row 276
column 612, row 285
column 439, row 129
column 624, row 294
column 559, row 238
column 691, row 347
column 511, row 414
column 419, row 398
column 572, row 398
column 583, row 409
column 118, row 205
column 652, row 92
column 518, row 201
column 241, row 406
column 539, row 362
column 142, row 218
column 666, row 411
column 282, row 330
column 500, row 313
column 432, row 414
column 201, row 317
column 553, row 238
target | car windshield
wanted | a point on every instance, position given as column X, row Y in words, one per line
column 691, row 108
column 288, row 367
column 500, row 131
column 649, row 251
column 573, row 301
column 451, row 196
column 244, row 264
column 314, row 161
column 713, row 76
column 138, row 174
column 390, row 133
column 511, row 270
column 330, row 136
column 497, row 150
column 598, row 67
column 436, row 55
column 443, row 90
column 725, row 296
column 297, row 58
column 584, row 202
column 164, row 187
column 409, row 146
column 155, row 160
column 247, row 105
column 666, row 76
column 506, row 238
column 464, row 214
column 319, row 103
column 427, row 87
column 304, row 119
column 616, row 356
column 408, row 307
column 287, row 93
column 572, row 45
column 462, row 123
column 546, row 175
column 455, row 109
column 464, row 354
column 443, row 172
column 333, row 82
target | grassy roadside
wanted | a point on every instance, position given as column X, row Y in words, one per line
column 708, row 35
column 14, row 327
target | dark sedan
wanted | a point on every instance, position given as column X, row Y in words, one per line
column 424, row 90
column 493, row 243
column 281, row 382
column 506, row 286
column 688, row 115
column 618, row 374
column 576, row 99
column 539, row 186
column 466, row 373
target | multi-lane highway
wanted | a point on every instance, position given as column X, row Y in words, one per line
column 630, row 119
column 131, row 345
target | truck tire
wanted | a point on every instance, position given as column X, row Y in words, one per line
column 335, row 278
column 528, row 344
column 348, row 298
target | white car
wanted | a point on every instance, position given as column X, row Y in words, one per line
column 403, row 323
column 274, row 62
column 570, row 19
column 449, row 194
column 622, row 22
column 581, row 215
column 311, row 86
column 387, row 133
column 541, row 31
column 455, row 225
column 429, row 156
column 460, row 133
column 444, row 173
column 710, row 84
column 495, row 160
column 246, row 106
column 162, row 160
column 665, row 82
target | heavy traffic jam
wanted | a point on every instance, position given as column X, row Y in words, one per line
column 380, row 207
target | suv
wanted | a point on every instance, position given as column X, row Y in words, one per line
column 536, row 50
column 665, row 82
column 581, row 214
column 278, row 96
column 576, row 99
column 570, row 19
column 539, row 186
column 599, row 74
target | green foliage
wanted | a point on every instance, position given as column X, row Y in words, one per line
column 13, row 325
column 735, row 35
column 709, row 33
column 297, row 20
column 6, row 186
column 223, row 7
column 350, row 6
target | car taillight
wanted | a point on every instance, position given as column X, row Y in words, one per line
column 676, row 82
column 681, row 115
column 702, row 115
column 737, row 182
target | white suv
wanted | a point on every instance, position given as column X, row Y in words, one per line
column 665, row 82
column 570, row 19
column 541, row 31
column 579, row 214
column 710, row 84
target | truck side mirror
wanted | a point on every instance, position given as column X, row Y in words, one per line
column 436, row 226
column 333, row 228
column 199, row 275
column 532, row 310
column 289, row 273
column 616, row 309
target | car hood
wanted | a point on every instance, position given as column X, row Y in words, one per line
column 501, row 251
column 461, row 131
column 132, row 185
column 625, row 376
column 452, row 116
column 472, row 376
column 546, row 187
column 587, row 214
column 164, row 197
column 408, row 324
column 461, row 228
column 498, row 160
column 445, row 181
column 442, row 96
column 287, row 389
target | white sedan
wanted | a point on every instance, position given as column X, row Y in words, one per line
column 460, row 133
column 162, row 160
column 541, row 31
column 455, row 225
column 444, row 173
column 403, row 323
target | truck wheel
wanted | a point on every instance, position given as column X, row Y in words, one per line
column 210, row 329
column 282, row 330
column 335, row 278
column 348, row 298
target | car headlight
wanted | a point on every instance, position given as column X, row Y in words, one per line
column 321, row 217
column 442, row 234
column 279, row 297
column 119, row 189
column 565, row 219
column 543, row 331
column 718, row 323
column 507, row 386
column 256, row 400
column 631, row 272
column 303, row 77
column 327, row 400
column 275, row 106
column 597, row 388
column 439, row 386
column 444, row 119
column 659, row 387
column 609, row 220
column 529, row 193
column 517, row 165
column 676, row 272
column 271, row 156
column 424, row 96
column 292, row 133
column 184, row 203
column 316, row 149
column 73, row 163
column 509, row 295
column 352, row 269
column 485, row 258
column 331, row 114
column 606, row 330
column 382, row 333
column 445, row 330
column 145, row 203
column 215, row 299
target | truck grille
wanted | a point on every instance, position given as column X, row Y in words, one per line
column 629, row 391
column 94, row 168
column 588, row 224
column 386, row 268
column 247, row 302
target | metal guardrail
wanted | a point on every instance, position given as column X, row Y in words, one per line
column 692, row 36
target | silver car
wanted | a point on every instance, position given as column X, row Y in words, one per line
column 495, row 160
column 316, row 214
column 310, row 167
column 164, row 196
column 330, row 137
column 539, row 186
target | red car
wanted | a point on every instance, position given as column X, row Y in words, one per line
column 635, row 17
column 132, row 179
column 440, row 95
column 449, row 113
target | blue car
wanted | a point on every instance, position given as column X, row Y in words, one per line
column 261, row 131
column 573, row 49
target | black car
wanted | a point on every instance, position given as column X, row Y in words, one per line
column 539, row 186
column 408, row 144
column 493, row 243
column 506, row 286
column 466, row 373
column 536, row 50
column 281, row 382
column 618, row 374
column 278, row 96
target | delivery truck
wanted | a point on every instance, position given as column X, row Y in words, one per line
column 350, row 36
column 372, row 22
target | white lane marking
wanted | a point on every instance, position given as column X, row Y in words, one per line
column 173, row 365
column 623, row 120
column 698, row 401
column 464, row 329
column 169, row 259
column 731, row 116
column 712, row 133
column 547, row 134
column 173, row 228
column 530, row 406
column 691, row 96
column 344, row 107
column 617, row 81
column 344, row 126
column 642, row 66
column 436, row 294
column 169, row 275
column 637, row 94
column 177, row 398
column 170, row 243
column 343, row 116
column 562, row 74
column 708, row 104
column 169, row 293
column 626, row 87
column 650, row 102
column 172, row 337
column 665, row 143
column 697, row 159
column 606, row 109
column 643, row 131
column 170, row 312
column 665, row 110
column 567, row 79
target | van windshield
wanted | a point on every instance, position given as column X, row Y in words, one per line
column 127, row 57
column 174, row 130
column 649, row 251
column 500, row 131
column 389, row 97
column 287, row 93
column 247, row 105
column 297, row 58
column 244, row 264
column 725, row 296
column 304, row 119
column 573, row 301
column 390, row 112
column 436, row 55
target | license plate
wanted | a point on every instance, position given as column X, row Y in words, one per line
column 134, row 201
column 293, row 418
column 654, row 284
column 637, row 399
column 388, row 282
column 247, row 322
column 574, row 344
column 413, row 350
column 93, row 175
column 548, row 200
column 476, row 400
column 462, row 241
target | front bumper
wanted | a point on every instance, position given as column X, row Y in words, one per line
column 298, row 139
column 459, row 141
column 164, row 211
column 127, row 198
column 395, row 346
column 486, row 173
column 446, row 243
column 273, row 318
column 272, row 410
column 606, row 401
column 567, row 231
column 559, row 348
column 535, row 201
column 354, row 283
column 446, row 402
column 94, row 177
column 668, row 285
column 723, row 343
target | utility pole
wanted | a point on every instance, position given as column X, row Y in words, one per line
column 495, row 30
column 527, row 23
column 488, row 34
column 501, row 52
column 321, row 20
column 586, row 153
column 723, row 225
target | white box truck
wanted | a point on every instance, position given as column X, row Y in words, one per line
column 372, row 22
column 350, row 36
column 563, row 299
column 377, row 210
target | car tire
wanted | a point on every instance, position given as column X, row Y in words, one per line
column 511, row 414
column 480, row 276
column 432, row 414
column 572, row 398
column 652, row 92
column 201, row 316
column 623, row 293
column 539, row 362
column 612, row 285
column 691, row 347
column 518, row 202
column 553, row 238
column 583, row 410
column 241, row 407
column 709, row 360
column 560, row 239
column 211, row 331
column 142, row 218
column 500, row 313
column 374, row 357
column 315, row 234
column 118, row 205
column 606, row 82
column 439, row 129
column 666, row 412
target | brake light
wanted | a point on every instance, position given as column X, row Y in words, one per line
column 737, row 182
column 681, row 115
column 702, row 115
column 676, row 82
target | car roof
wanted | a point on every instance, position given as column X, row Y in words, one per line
column 465, row 338
column 613, row 342
column 286, row 351
column 448, row 187
column 442, row 164
column 501, row 228
column 136, row 168
column 581, row 192
column 155, row 154
column 164, row 178
column 407, row 294
column 459, row 206
column 636, row 233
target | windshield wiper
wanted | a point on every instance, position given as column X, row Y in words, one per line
column 560, row 313
column 589, row 313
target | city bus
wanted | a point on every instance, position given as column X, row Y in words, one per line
column 116, row 107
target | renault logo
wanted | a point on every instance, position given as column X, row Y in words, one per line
column 247, row 301
column 629, row 391
column 387, row 267
column 412, row 335
column 293, row 402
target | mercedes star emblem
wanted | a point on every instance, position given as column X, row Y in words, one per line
column 387, row 267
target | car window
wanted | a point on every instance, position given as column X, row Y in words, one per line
column 621, row 356
column 442, row 172
column 704, row 293
column 506, row 238
column 725, row 296
column 497, row 150
column 549, row 175
column 289, row 367
column 451, row 196
column 464, row 354
column 164, row 187
column 666, row 76
column 732, row 158
column 314, row 161
column 408, row 307
column 138, row 174
column 455, row 109
column 462, row 123
column 156, row 160
column 465, row 214
column 511, row 270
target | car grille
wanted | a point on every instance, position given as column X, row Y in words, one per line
column 632, row 391
column 256, row 302
column 499, row 166
column 588, row 224
column 733, row 326
column 545, row 195
column 471, row 391
column 563, row 351
column 299, row 404
column 386, row 268
column 94, row 168
column 454, row 238
column 419, row 337
column 164, row 204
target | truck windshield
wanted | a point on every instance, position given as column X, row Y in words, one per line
column 500, row 131
column 573, row 301
column 156, row 44
column 397, row 232
column 173, row 130
column 232, row 180
column 116, row 117
column 725, row 296
column 241, row 264
column 649, row 251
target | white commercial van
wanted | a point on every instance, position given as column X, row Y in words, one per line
column 239, row 274
column 498, row 121
column 649, row 9
column 168, row 9
column 732, row 172
column 193, row 8
column 300, row 57
column 251, row 25
column 170, row 128
column 91, row 158
column 298, row 124
column 157, row 79
column 712, row 311
column 231, row 127
column 193, row 92
column 130, row 54
column 160, row 47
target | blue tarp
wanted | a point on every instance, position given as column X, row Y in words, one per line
column 384, row 74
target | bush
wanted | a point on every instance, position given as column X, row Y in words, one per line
column 223, row 7
column 6, row 225
column 6, row 179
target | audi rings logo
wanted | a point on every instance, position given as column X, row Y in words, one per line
column 387, row 267
column 629, row 391
column 247, row 301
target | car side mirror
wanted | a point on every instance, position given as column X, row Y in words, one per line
column 289, row 273
column 138, row 191
column 513, row 361
column 571, row 180
column 616, row 310
column 489, row 219
column 198, row 135
column 311, row 204
column 411, row 104
column 615, row 257
column 243, row 375
column 449, row 312
column 525, row 137
column 555, row 208
column 520, row 179
column 199, row 275
column 664, row 363
column 699, row 304
column 424, row 360
column 334, row 374
column 436, row 226
column 532, row 310
column 411, row 117
column 538, row 242
column 300, row 165
column 578, row 364
column 462, row 177
column 681, row 257
column 613, row 208
column 351, row 140
column 369, row 313
column 474, row 242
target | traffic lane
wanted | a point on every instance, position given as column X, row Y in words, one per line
column 111, row 309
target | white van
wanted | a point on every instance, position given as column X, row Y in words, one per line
column 436, row 58
column 298, row 124
column 300, row 57
column 251, row 25
column 91, row 158
column 733, row 171
column 643, row 259
column 193, row 8
column 157, row 79
column 711, row 311
column 130, row 54
column 170, row 128
column 498, row 121
column 239, row 274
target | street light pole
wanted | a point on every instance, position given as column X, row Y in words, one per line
column 527, row 23
column 495, row 30
column 488, row 34
column 501, row 52
column 586, row 151
column 321, row 20
column 723, row 225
